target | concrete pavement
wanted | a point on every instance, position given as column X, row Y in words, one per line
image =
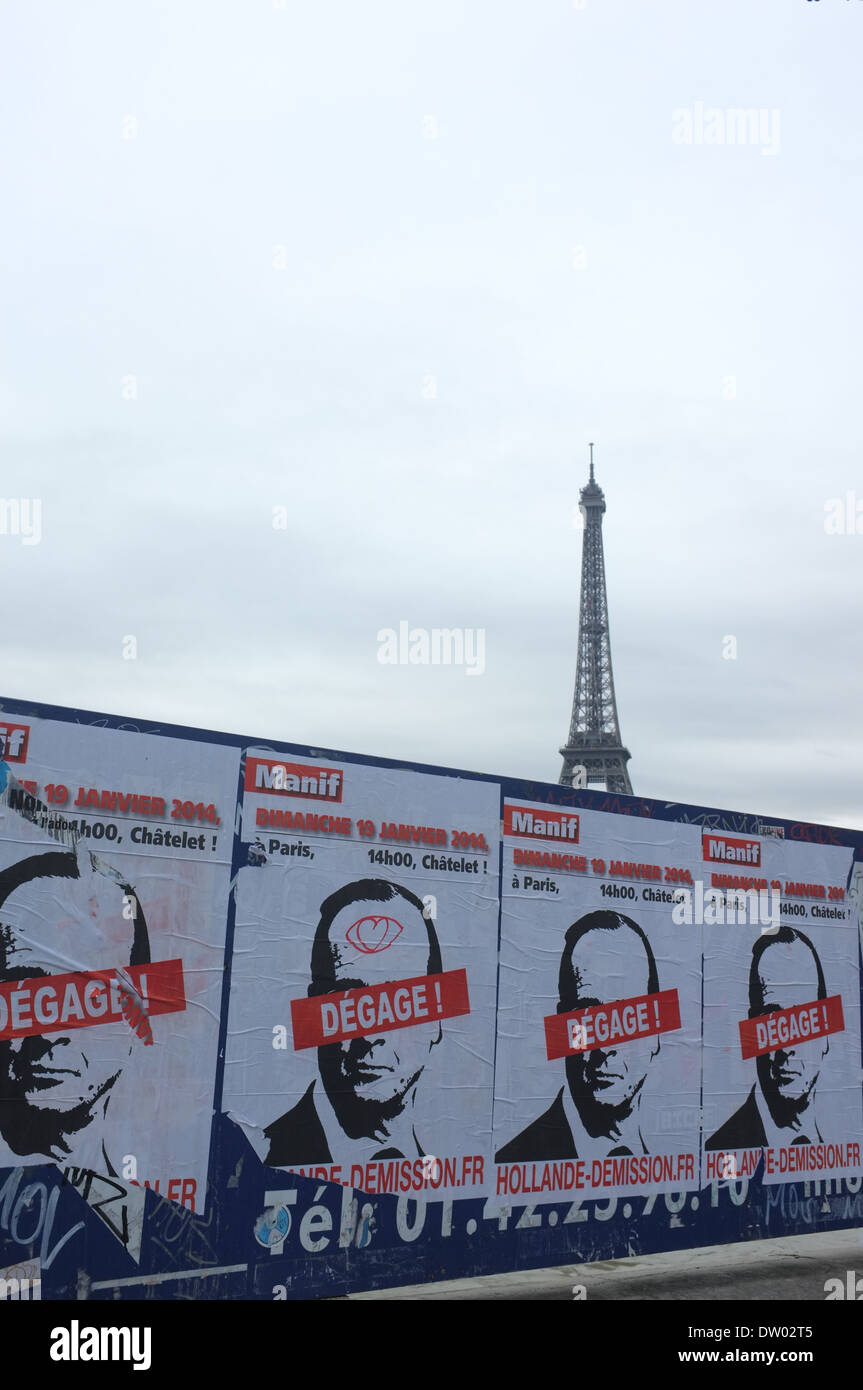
column 794, row 1269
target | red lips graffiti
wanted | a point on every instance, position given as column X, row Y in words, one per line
column 373, row 934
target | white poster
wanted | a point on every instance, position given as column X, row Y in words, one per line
column 781, row 1013
column 362, row 1012
column 597, row 1088
column 115, row 851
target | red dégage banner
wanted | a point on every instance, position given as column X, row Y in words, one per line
column 368, row 1010
column 85, row 998
column 788, row 1028
column 608, row 1025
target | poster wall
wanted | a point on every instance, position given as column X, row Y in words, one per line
column 270, row 1016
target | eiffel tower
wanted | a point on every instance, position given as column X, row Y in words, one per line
column 594, row 742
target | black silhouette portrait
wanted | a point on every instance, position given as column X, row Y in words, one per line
column 785, row 970
column 606, row 956
column 62, row 912
column 370, row 932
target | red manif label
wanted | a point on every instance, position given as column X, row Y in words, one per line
column 728, row 849
column 279, row 778
column 366, row 1011
column 608, row 1025
column 540, row 825
column 14, row 739
column 788, row 1028
column 49, row 1003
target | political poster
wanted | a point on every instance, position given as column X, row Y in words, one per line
column 597, row 1088
column 781, row 1012
column 115, row 851
column 362, row 1010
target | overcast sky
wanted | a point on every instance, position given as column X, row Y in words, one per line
column 390, row 267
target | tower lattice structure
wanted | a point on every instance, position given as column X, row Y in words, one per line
column 594, row 741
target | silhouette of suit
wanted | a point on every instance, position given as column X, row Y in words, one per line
column 298, row 1137
column 743, row 1130
column 549, row 1136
